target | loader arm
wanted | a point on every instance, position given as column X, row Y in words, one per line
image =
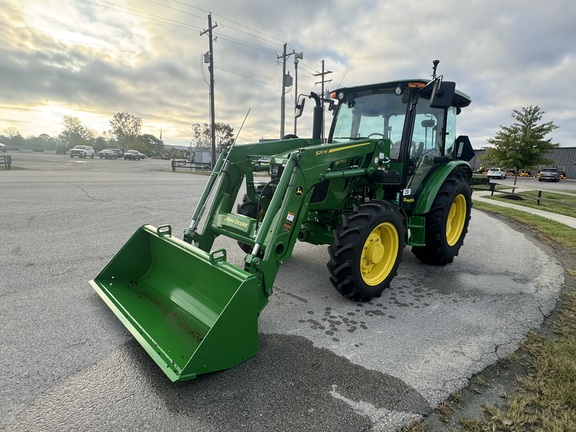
column 304, row 167
column 391, row 174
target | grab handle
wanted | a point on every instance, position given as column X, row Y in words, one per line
column 164, row 230
column 217, row 256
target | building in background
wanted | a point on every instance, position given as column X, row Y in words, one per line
column 564, row 157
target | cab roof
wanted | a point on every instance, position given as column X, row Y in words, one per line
column 460, row 100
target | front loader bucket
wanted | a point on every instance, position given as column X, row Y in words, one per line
column 192, row 311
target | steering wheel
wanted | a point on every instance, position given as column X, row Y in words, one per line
column 376, row 134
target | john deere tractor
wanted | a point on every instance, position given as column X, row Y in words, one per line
column 391, row 173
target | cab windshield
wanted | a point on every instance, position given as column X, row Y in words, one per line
column 381, row 114
column 370, row 116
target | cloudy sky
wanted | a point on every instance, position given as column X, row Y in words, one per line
column 93, row 58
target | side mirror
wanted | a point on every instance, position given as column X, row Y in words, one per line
column 442, row 94
column 463, row 149
column 299, row 108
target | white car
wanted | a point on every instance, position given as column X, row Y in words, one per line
column 82, row 151
column 496, row 173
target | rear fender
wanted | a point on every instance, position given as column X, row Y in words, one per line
column 432, row 185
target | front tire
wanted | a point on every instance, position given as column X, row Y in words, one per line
column 367, row 250
column 447, row 222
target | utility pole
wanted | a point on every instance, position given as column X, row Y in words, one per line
column 323, row 74
column 211, row 69
column 286, row 82
column 297, row 56
column 283, row 95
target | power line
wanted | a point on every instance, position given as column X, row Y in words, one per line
column 307, row 69
column 253, row 30
column 246, row 44
column 234, row 22
column 175, row 23
column 316, row 62
column 180, row 24
column 173, row 8
column 257, row 32
column 243, row 76
column 141, row 14
column 250, row 32
column 260, row 47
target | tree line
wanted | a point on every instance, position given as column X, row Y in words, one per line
column 125, row 133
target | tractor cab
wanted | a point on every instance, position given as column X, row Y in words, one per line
column 416, row 119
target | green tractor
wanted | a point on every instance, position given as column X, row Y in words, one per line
column 392, row 173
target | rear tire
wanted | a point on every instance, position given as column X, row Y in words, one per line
column 447, row 222
column 367, row 250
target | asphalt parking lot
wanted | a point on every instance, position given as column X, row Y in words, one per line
column 325, row 363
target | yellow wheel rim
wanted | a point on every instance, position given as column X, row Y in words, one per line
column 379, row 254
column 456, row 220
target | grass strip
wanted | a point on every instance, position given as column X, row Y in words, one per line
column 545, row 399
column 555, row 203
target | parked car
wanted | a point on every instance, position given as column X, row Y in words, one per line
column 119, row 152
column 549, row 174
column 3, row 147
column 82, row 151
column 108, row 154
column 133, row 155
column 496, row 173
